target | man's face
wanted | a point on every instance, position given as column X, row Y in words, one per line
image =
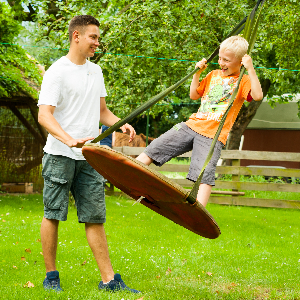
column 229, row 63
column 88, row 40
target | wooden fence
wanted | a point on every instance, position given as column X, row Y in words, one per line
column 235, row 195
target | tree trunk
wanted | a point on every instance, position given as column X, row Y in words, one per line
column 243, row 119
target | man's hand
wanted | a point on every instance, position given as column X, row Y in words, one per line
column 78, row 143
column 126, row 128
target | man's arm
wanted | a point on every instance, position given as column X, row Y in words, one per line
column 195, row 82
column 47, row 120
column 256, row 90
column 108, row 118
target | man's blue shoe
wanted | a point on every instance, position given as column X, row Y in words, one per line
column 116, row 284
column 52, row 281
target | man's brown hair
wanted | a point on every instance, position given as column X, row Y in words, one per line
column 79, row 22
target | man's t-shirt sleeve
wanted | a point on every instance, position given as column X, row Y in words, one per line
column 50, row 89
column 103, row 89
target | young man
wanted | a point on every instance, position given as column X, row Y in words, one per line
column 198, row 132
column 71, row 103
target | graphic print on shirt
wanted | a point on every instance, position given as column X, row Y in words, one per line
column 215, row 102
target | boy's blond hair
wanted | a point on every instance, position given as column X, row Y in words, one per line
column 237, row 44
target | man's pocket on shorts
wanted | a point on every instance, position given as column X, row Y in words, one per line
column 55, row 192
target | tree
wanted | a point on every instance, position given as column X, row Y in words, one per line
column 20, row 78
column 276, row 47
column 174, row 29
column 15, row 65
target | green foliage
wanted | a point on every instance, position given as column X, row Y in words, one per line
column 45, row 51
column 158, row 29
column 15, row 65
column 277, row 46
column 172, row 29
column 9, row 27
column 149, row 28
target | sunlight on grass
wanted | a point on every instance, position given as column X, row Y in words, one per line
column 174, row 175
column 180, row 161
column 255, row 257
column 264, row 194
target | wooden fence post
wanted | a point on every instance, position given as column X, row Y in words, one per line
column 235, row 178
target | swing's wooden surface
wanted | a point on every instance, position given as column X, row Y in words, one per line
column 160, row 193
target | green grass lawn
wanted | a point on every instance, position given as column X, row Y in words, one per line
column 257, row 256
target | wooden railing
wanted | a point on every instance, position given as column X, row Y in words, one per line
column 235, row 195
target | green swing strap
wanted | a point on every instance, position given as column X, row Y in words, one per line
column 237, row 29
column 250, row 33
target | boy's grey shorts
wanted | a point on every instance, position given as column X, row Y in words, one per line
column 63, row 174
column 181, row 139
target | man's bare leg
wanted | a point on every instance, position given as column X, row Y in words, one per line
column 96, row 237
column 49, row 236
column 144, row 158
column 204, row 193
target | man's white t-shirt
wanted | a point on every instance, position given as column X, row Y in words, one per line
column 75, row 91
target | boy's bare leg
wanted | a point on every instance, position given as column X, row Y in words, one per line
column 49, row 236
column 204, row 193
column 204, row 189
column 96, row 237
column 144, row 158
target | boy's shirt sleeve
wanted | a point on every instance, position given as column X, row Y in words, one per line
column 203, row 84
column 245, row 89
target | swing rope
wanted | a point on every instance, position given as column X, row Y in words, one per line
column 250, row 24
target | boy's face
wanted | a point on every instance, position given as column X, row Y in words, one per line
column 229, row 63
column 88, row 40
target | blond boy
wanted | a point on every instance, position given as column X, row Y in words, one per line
column 198, row 132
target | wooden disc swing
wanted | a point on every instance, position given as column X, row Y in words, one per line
column 151, row 188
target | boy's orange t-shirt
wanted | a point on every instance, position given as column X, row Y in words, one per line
column 213, row 90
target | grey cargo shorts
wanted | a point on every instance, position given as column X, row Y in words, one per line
column 180, row 139
column 62, row 174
